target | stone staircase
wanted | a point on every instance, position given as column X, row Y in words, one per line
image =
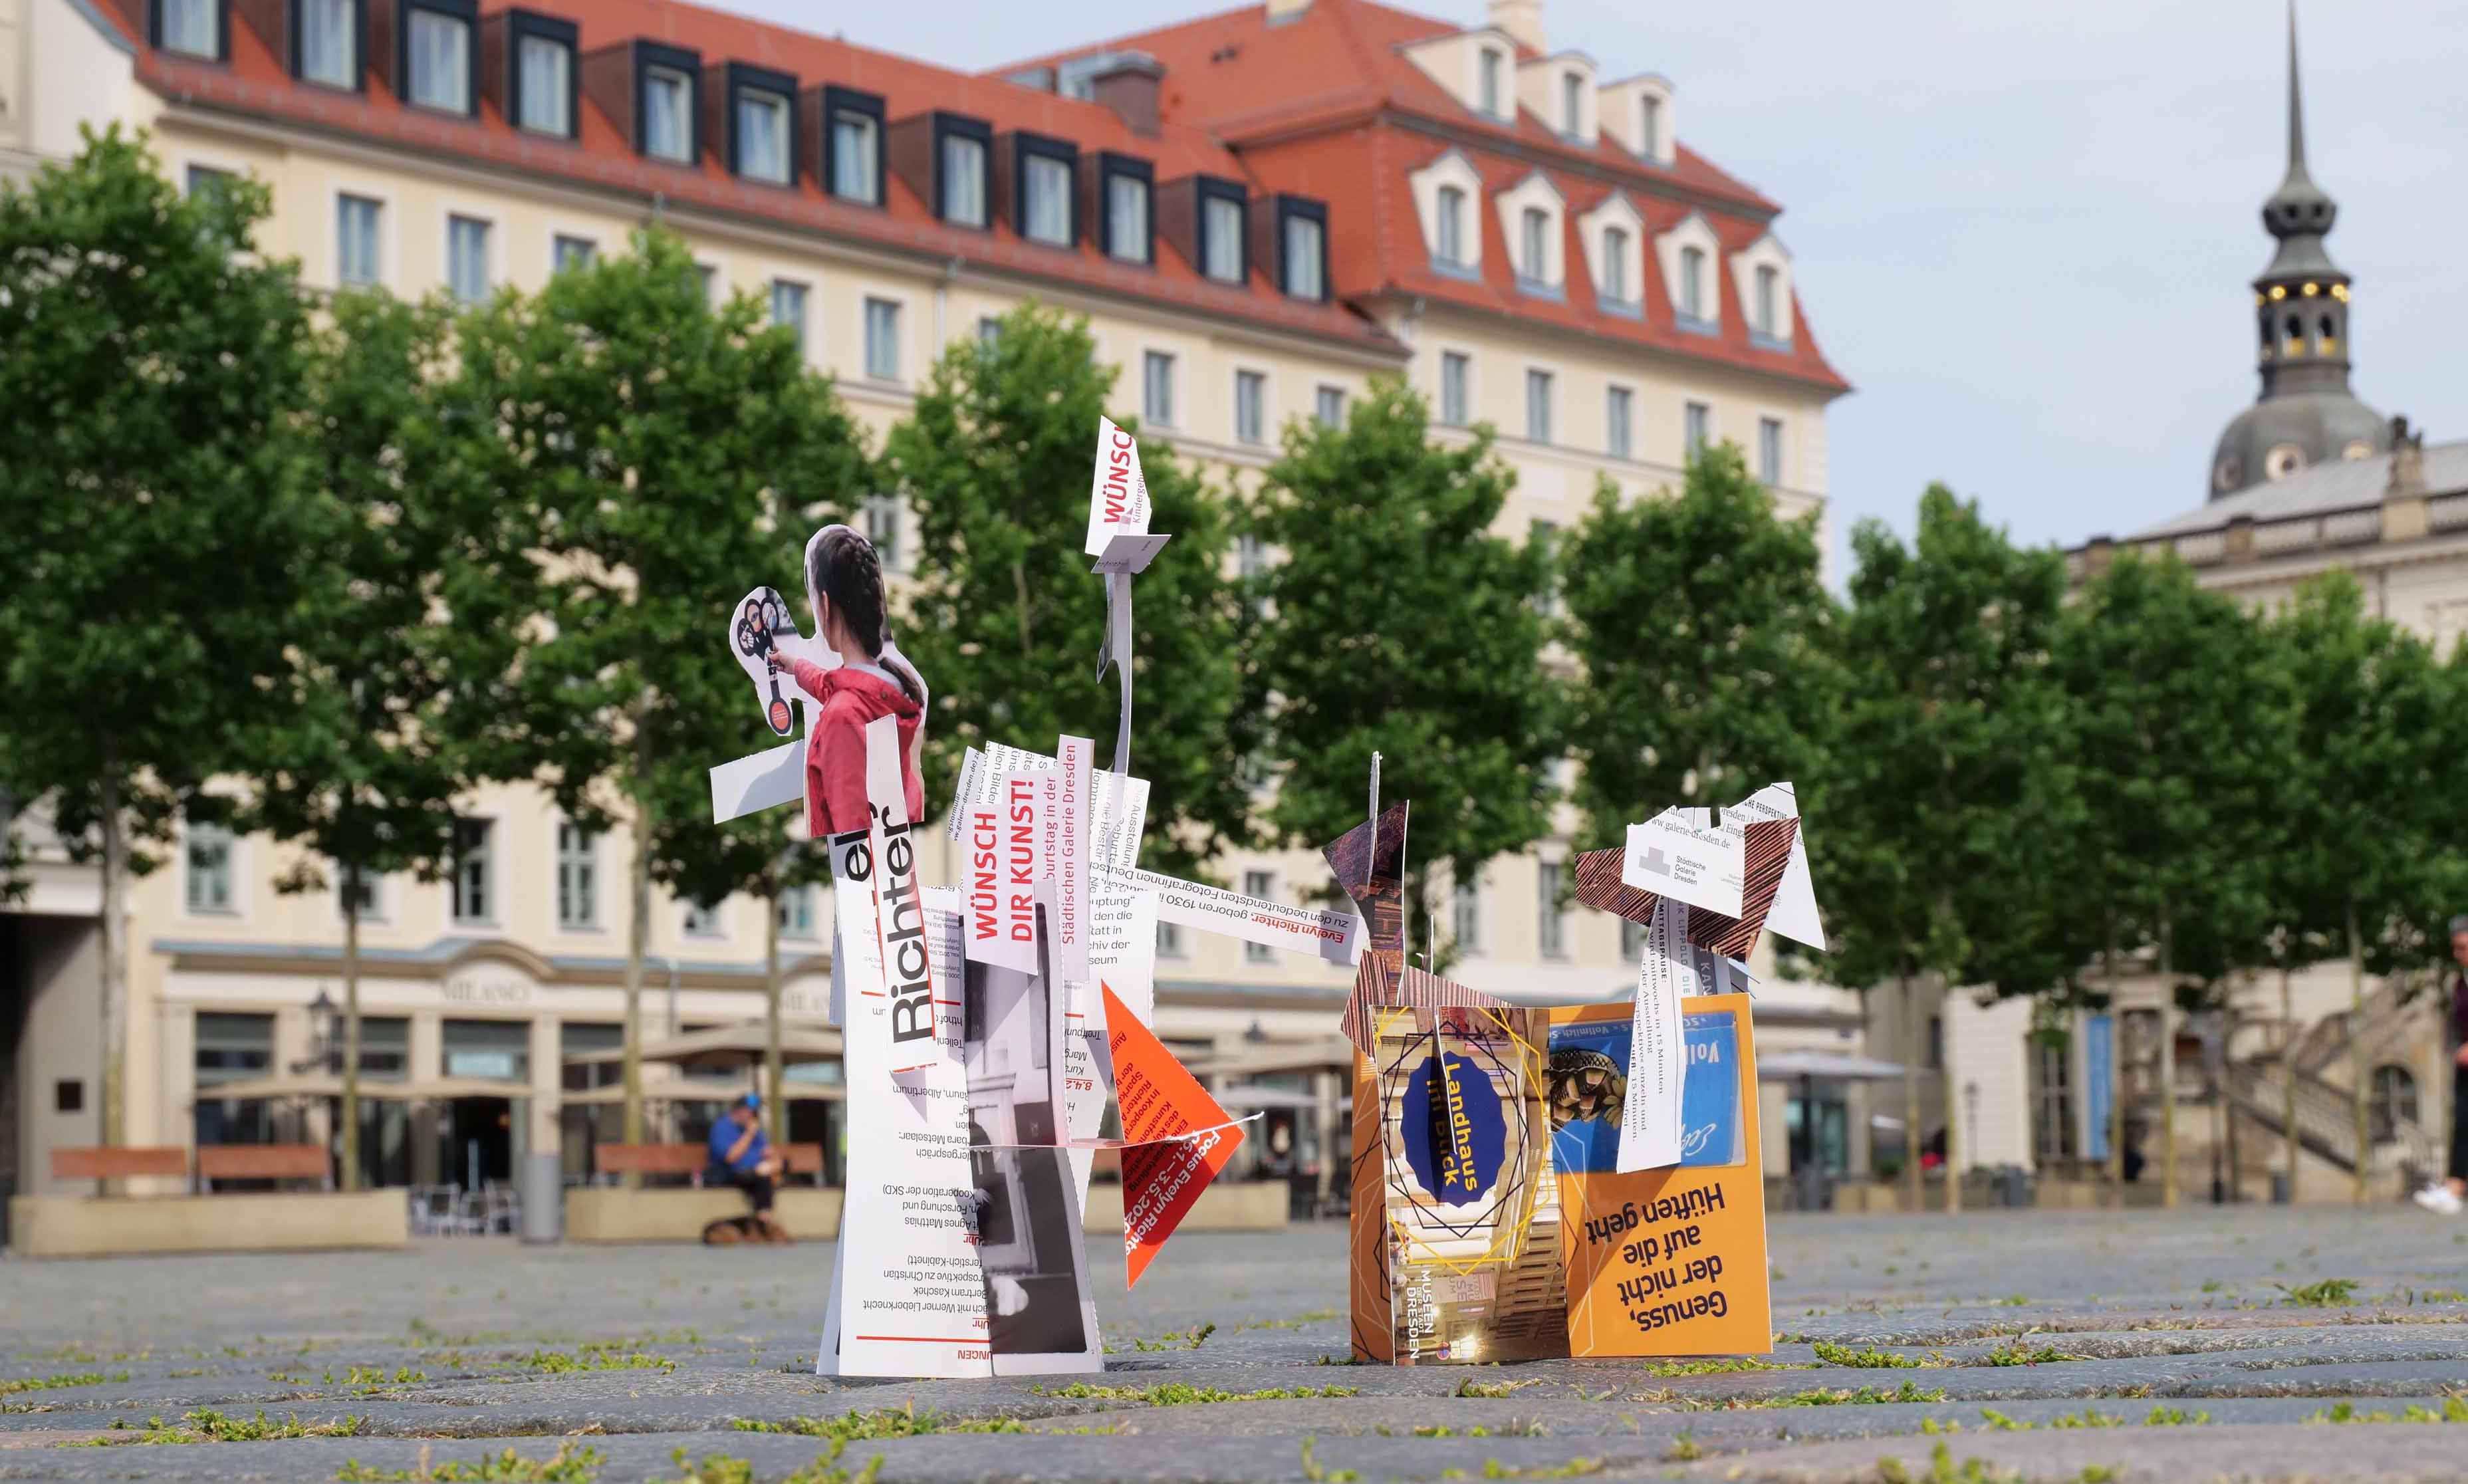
column 2326, row 1127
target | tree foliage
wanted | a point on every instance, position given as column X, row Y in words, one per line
column 1401, row 624
column 1005, row 619
column 1703, row 629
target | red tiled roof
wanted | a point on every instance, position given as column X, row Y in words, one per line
column 1313, row 104
column 255, row 83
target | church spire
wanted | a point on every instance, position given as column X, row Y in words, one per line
column 2295, row 101
column 2299, row 213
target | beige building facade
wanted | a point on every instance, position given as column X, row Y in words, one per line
column 1648, row 308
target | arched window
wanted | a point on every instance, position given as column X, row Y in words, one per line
column 2393, row 1101
column 1452, row 226
column 2326, row 337
column 2294, row 336
column 1692, row 282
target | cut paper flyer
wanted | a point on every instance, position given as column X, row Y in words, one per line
column 1180, row 1137
column 1682, row 855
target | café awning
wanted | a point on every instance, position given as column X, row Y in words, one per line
column 1841, row 1066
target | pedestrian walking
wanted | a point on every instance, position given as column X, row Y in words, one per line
column 2450, row 1194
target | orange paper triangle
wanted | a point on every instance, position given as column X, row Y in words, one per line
column 1160, row 1101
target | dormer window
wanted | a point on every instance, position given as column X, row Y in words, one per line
column 1452, row 226
column 762, row 135
column 440, row 65
column 1129, row 189
column 542, row 76
column 1769, row 287
column 854, row 140
column 1615, row 284
column 1534, row 240
column 1049, row 172
column 193, row 27
column 1490, row 66
column 667, row 102
column 1302, row 235
column 1692, row 282
column 1572, row 103
column 1649, row 126
column 1225, row 235
column 961, row 197
column 328, row 48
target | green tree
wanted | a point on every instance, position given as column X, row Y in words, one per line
column 662, row 456
column 1944, row 651
column 1701, row 625
column 2378, row 736
column 1005, row 619
column 402, row 623
column 153, row 366
column 2167, row 712
column 1403, row 626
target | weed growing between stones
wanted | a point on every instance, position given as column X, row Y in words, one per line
column 722, row 1469
column 1181, row 1339
column 1470, row 1387
column 1178, row 1394
column 1942, row 1470
column 2175, row 1417
column 596, row 1355
column 1826, row 1396
column 2454, row 1410
column 865, row 1426
column 10, row 1388
column 1318, row 1474
column 1870, row 1359
column 2321, row 1293
column 205, row 1425
column 570, row 1464
column 2019, row 1353
column 1716, row 1368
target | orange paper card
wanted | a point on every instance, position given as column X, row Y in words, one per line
column 1160, row 1102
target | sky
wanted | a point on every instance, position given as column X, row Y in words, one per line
column 2023, row 229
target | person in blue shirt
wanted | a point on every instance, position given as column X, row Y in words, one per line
column 742, row 1157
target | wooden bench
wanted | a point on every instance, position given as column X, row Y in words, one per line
column 802, row 1159
column 264, row 1162
column 692, row 1159
column 123, row 1163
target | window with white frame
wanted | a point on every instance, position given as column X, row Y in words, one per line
column 707, row 277
column 1770, row 450
column 882, row 529
column 1328, row 405
column 883, row 339
column 1250, row 407
column 1534, row 245
column 466, row 258
column 1572, row 103
column 1551, row 922
column 1456, row 390
column 1260, row 884
column 355, row 240
column 1488, row 89
column 204, row 180
column 1157, row 388
column 1537, row 406
column 1220, row 238
column 578, row 876
column 372, row 898
column 1649, row 126
column 700, row 920
column 572, row 252
column 797, row 912
column 964, row 180
column 989, row 331
column 1168, row 940
column 1697, row 429
column 1306, row 256
column 1250, row 555
column 210, row 852
column 190, row 26
column 440, row 64
column 329, row 45
column 1692, row 282
column 667, row 114
column 789, row 308
column 1047, row 214
column 763, row 148
column 1451, row 207
column 1543, row 537
column 1615, row 284
column 1618, row 409
column 1127, row 217
column 1769, row 284
column 473, row 883
column 1466, row 917
column 854, row 177
column 544, row 68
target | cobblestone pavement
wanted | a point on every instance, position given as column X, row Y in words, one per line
column 2060, row 1346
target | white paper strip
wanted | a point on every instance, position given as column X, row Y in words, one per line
column 1333, row 936
column 1682, row 855
column 1649, row 1122
column 1794, row 914
column 765, row 780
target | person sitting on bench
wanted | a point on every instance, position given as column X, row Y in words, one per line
column 742, row 1157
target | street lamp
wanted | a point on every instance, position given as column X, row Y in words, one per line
column 326, row 1039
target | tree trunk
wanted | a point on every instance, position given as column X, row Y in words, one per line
column 351, row 1027
column 1911, row 1047
column 2288, row 1076
column 776, row 1110
column 2357, row 1054
column 638, row 934
column 2115, row 1068
column 113, row 991
column 1955, row 1148
column 2167, row 1065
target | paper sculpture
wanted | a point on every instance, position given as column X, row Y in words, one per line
column 1119, row 538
